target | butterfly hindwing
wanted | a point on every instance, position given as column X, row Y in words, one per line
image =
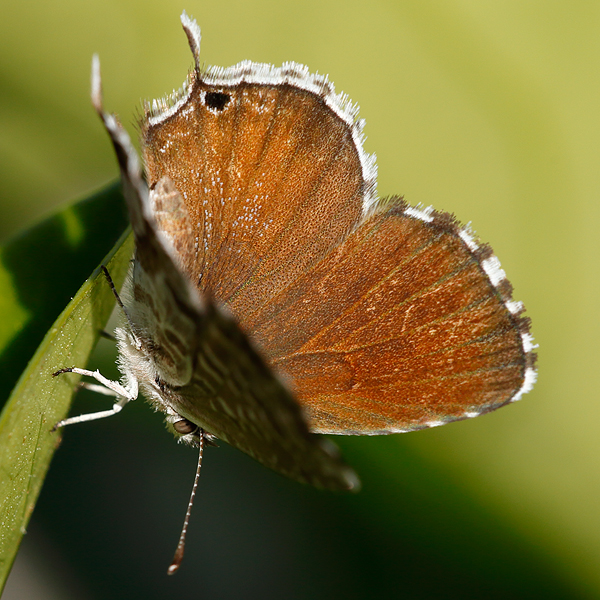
column 411, row 331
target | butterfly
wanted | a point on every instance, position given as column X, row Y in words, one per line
column 273, row 296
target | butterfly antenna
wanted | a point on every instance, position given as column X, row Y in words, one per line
column 178, row 557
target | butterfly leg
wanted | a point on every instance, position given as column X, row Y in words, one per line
column 108, row 387
column 98, row 389
column 117, row 406
column 120, row 303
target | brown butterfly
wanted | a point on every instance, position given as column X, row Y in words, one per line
column 273, row 296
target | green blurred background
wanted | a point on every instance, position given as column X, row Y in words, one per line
column 486, row 109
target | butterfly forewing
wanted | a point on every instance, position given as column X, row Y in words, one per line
column 272, row 180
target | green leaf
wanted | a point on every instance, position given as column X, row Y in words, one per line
column 42, row 269
column 39, row 400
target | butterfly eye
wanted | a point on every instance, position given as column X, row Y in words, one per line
column 184, row 427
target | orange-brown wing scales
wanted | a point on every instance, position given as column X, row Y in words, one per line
column 267, row 197
column 399, row 328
